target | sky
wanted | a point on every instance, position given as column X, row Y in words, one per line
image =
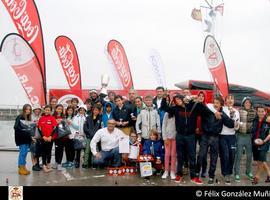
column 142, row 25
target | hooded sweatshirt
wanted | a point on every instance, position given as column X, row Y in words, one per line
column 106, row 116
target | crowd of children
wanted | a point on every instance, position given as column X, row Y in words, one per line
column 166, row 129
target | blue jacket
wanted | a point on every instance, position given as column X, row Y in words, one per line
column 158, row 148
column 105, row 117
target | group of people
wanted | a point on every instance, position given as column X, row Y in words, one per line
column 178, row 130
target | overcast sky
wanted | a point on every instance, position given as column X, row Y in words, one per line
column 141, row 25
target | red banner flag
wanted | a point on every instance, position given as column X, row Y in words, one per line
column 25, row 17
column 69, row 61
column 24, row 62
column 120, row 61
column 216, row 65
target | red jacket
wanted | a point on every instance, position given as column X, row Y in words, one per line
column 46, row 124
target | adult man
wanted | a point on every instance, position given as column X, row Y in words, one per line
column 109, row 139
column 160, row 91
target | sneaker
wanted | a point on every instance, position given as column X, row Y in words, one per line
column 70, row 165
column 237, row 178
column 65, row 164
column 267, row 180
column 227, row 180
column 35, row 168
column 165, row 175
column 197, row 181
column 211, row 181
column 255, row 181
column 172, row 175
column 250, row 176
column 59, row 167
column 178, row 179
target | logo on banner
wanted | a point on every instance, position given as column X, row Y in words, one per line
column 66, row 58
column 118, row 58
column 65, row 100
column 18, row 11
column 15, row 193
column 212, row 54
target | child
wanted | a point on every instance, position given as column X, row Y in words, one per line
column 59, row 142
column 88, row 106
column 147, row 119
column 91, row 126
column 107, row 114
column 68, row 141
column 135, row 150
column 154, row 147
column 77, row 130
column 74, row 104
column 169, row 133
column 261, row 130
column 47, row 124
column 23, row 138
column 35, row 146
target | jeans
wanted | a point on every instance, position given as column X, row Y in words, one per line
column 185, row 145
column 170, row 154
column 227, row 144
column 109, row 155
column 22, row 154
column 243, row 141
column 212, row 142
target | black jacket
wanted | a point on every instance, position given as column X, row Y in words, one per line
column 123, row 114
column 185, row 117
column 265, row 128
column 21, row 135
column 213, row 126
column 90, row 126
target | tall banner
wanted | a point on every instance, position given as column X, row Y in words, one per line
column 69, row 61
column 216, row 65
column 120, row 61
column 25, row 16
column 157, row 67
column 25, row 64
column 211, row 16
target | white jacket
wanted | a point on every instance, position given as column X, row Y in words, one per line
column 147, row 119
column 77, row 125
column 168, row 127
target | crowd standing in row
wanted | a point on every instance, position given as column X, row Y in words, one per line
column 169, row 129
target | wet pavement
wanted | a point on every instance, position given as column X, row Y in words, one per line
column 90, row 177
column 84, row 177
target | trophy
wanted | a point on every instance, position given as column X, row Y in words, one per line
column 104, row 83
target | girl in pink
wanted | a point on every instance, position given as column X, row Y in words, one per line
column 168, row 135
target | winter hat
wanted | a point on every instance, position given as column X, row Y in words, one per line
column 82, row 106
column 93, row 91
column 36, row 106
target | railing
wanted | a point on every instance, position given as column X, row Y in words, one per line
column 9, row 112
